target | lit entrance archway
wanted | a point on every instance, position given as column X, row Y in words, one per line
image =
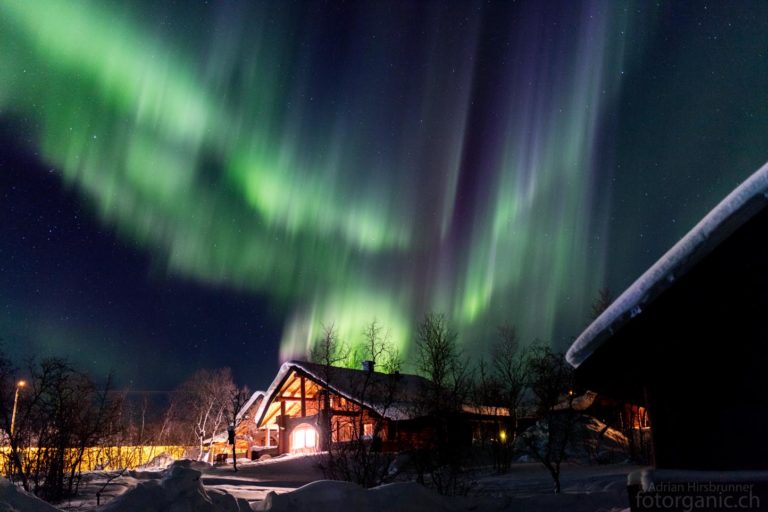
column 304, row 438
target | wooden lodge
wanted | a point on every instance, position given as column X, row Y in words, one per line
column 309, row 406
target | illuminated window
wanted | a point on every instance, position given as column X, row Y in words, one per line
column 342, row 431
column 303, row 437
column 368, row 430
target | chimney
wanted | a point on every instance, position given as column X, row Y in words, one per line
column 368, row 366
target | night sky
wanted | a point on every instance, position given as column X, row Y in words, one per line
column 185, row 185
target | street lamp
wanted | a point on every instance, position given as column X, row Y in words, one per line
column 19, row 385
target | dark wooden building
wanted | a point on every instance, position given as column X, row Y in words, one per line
column 689, row 339
column 617, row 414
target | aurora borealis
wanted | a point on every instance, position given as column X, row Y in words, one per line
column 339, row 162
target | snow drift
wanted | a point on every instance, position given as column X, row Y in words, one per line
column 12, row 499
column 331, row 496
column 180, row 490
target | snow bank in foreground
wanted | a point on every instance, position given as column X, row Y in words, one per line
column 332, row 496
column 180, row 490
column 12, row 499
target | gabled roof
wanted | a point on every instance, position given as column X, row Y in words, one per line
column 222, row 436
column 255, row 396
column 392, row 396
column 735, row 210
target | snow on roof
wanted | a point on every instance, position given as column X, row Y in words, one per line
column 392, row 396
column 223, row 435
column 732, row 212
column 255, row 396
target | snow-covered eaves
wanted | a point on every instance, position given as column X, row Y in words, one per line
column 223, row 436
column 392, row 396
column 737, row 208
column 282, row 374
column 246, row 407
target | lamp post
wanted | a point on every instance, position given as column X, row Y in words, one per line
column 19, row 385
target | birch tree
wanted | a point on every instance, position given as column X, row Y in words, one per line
column 204, row 401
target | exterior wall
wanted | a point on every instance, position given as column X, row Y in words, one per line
column 346, row 427
column 426, row 433
column 696, row 356
column 344, row 424
column 417, row 434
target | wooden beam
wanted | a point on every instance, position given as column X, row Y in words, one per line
column 271, row 413
column 282, row 441
column 303, row 398
column 344, row 412
column 293, row 398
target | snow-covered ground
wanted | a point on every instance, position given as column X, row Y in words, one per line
column 254, row 480
column 528, row 486
column 294, row 483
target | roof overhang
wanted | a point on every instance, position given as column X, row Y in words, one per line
column 249, row 403
column 732, row 212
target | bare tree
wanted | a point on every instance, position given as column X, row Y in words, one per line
column 203, row 401
column 374, row 345
column 439, row 359
column 436, row 351
column 377, row 346
column 358, row 455
column 328, row 351
column 486, row 392
column 510, row 374
column 551, row 382
column 235, row 417
column 60, row 417
column 354, row 442
column 173, row 428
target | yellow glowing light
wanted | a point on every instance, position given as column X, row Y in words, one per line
column 503, row 436
column 21, row 383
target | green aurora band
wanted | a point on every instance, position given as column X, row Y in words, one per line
column 235, row 162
